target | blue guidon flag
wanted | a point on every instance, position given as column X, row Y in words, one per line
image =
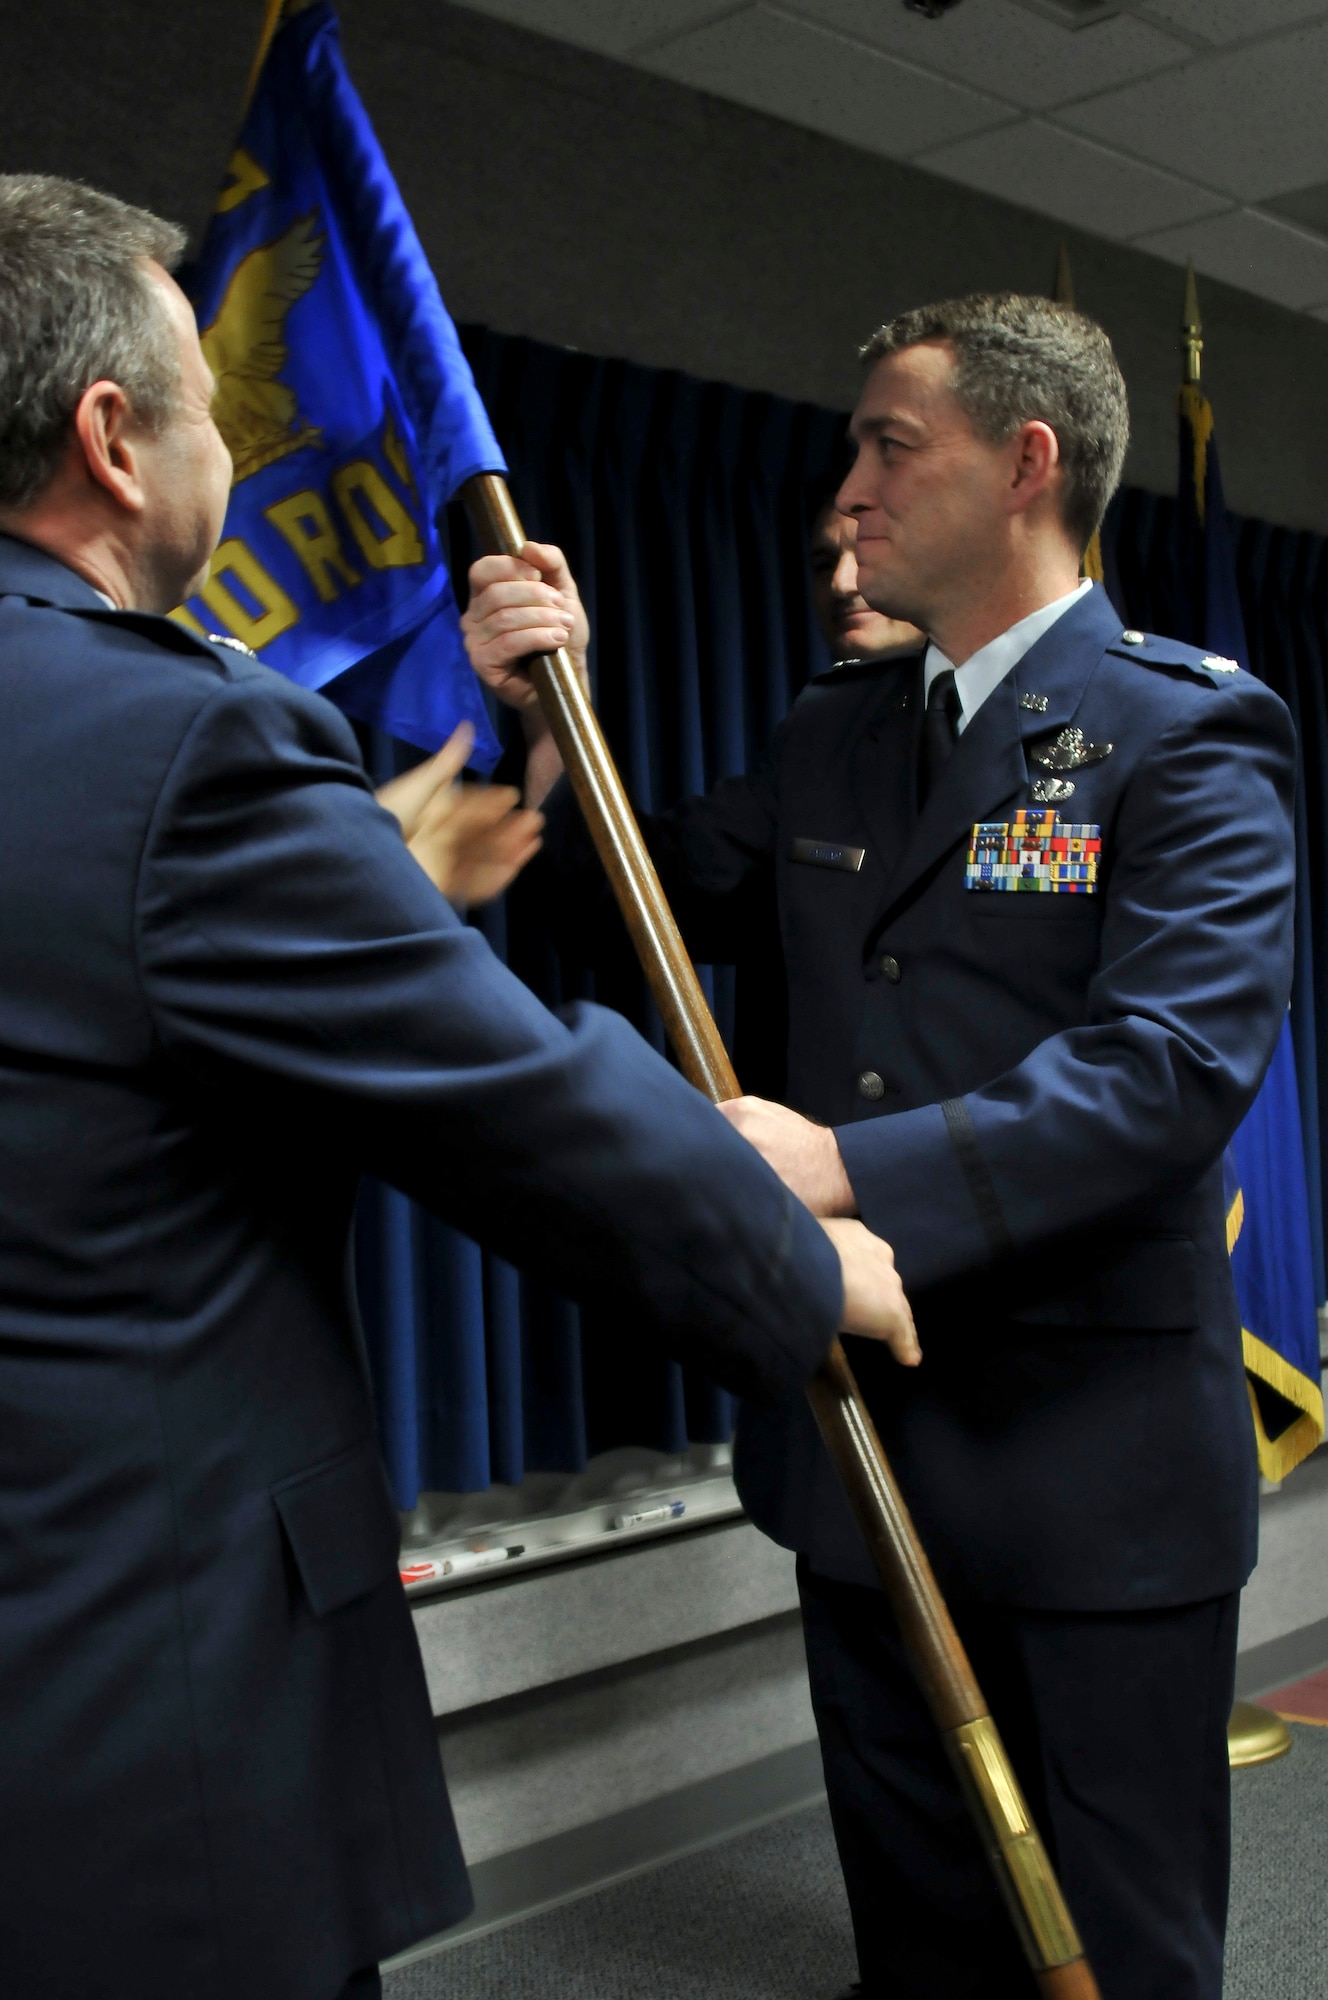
column 348, row 406
column 1268, row 1212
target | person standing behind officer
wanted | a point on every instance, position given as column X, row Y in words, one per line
column 852, row 630
column 226, row 989
column 1035, row 895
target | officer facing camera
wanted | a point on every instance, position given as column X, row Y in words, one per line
column 1035, row 892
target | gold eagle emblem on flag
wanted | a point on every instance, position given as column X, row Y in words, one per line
column 245, row 347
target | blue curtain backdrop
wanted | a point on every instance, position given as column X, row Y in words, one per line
column 683, row 507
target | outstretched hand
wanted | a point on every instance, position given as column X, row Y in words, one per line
column 470, row 840
column 875, row 1304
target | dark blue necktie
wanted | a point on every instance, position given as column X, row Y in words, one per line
column 940, row 729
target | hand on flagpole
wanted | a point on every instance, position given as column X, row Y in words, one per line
column 805, row 1155
column 520, row 605
column 807, row 1159
column 470, row 840
column 875, row 1304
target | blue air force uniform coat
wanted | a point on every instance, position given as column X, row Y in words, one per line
column 1052, row 1078
column 225, row 988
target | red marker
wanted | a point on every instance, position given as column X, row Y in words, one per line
column 458, row 1565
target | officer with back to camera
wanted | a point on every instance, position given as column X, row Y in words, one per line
column 1035, row 894
column 225, row 989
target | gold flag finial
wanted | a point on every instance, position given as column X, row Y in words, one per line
column 1191, row 327
column 1064, row 292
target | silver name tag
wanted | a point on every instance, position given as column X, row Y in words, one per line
column 828, row 854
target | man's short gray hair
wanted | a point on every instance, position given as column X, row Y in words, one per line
column 1019, row 357
column 75, row 308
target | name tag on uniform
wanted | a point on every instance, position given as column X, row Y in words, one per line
column 1034, row 854
column 828, row 854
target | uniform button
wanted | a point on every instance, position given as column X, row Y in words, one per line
column 870, row 1085
column 890, row 969
column 1132, row 638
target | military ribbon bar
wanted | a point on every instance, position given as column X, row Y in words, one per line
column 1034, row 854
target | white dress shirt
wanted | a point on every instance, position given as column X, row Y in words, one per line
column 986, row 668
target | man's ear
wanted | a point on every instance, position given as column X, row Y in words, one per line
column 107, row 440
column 1036, row 460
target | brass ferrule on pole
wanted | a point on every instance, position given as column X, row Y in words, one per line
column 1032, row 1893
column 945, row 1676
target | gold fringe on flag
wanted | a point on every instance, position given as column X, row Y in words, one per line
column 1281, row 1454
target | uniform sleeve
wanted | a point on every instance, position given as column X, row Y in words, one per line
column 292, row 952
column 1182, row 1017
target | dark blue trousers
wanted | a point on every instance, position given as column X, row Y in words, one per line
column 1116, row 1724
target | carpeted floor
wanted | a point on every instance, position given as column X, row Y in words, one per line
column 762, row 1917
column 1277, row 1939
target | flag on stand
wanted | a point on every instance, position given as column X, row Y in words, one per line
column 347, row 404
column 1268, row 1217
column 1091, row 564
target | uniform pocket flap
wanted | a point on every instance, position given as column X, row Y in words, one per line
column 341, row 1527
column 1150, row 1282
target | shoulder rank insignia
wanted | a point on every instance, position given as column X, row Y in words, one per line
column 1034, row 853
column 1217, row 665
column 236, row 645
column 1069, row 752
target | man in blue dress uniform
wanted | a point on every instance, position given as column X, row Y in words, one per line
column 1034, row 891
column 225, row 989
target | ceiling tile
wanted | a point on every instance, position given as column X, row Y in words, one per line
column 1250, row 121
column 1039, row 166
column 615, row 27
column 1256, row 252
column 1306, row 206
column 1234, row 20
column 766, row 58
column 996, row 46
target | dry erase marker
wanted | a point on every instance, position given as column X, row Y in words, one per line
column 462, row 1565
column 650, row 1517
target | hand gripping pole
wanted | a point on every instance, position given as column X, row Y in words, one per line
column 986, row 1777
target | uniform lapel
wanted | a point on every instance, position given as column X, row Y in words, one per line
column 990, row 767
column 986, row 769
column 884, row 763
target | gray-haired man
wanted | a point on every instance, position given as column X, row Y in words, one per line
column 225, row 989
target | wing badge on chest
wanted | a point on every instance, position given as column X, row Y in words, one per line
column 1066, row 751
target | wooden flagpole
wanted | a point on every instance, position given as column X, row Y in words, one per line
column 986, row 1776
column 273, row 16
